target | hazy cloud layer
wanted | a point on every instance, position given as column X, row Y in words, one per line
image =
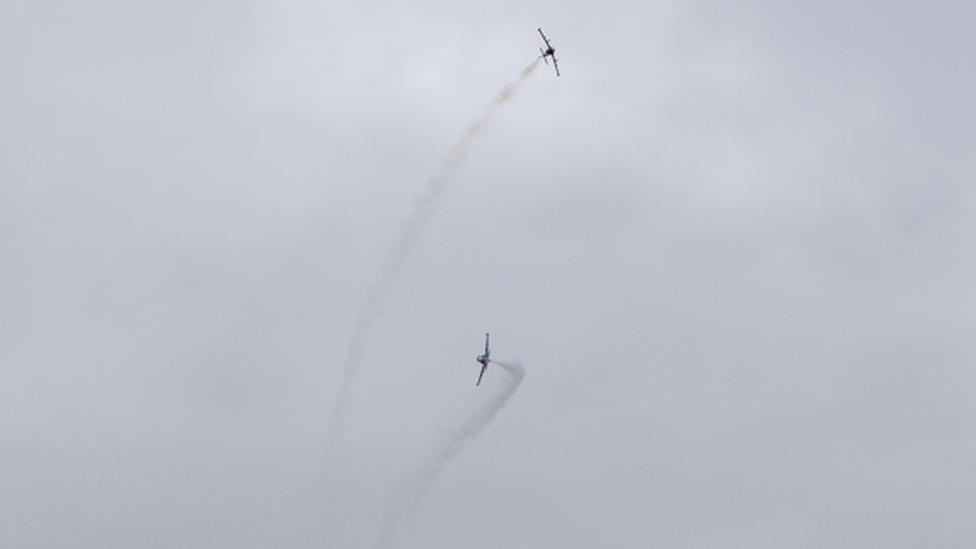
column 733, row 245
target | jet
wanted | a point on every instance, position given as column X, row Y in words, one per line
column 549, row 52
column 483, row 360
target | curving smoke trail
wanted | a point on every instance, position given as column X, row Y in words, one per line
column 416, row 485
column 401, row 250
column 376, row 298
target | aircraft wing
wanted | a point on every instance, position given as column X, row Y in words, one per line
column 544, row 39
column 483, row 368
column 555, row 65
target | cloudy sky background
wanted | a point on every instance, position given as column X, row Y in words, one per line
column 734, row 246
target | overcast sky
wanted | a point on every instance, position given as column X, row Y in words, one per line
column 734, row 246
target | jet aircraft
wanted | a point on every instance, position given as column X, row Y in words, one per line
column 549, row 52
column 484, row 360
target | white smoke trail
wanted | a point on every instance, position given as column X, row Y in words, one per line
column 403, row 247
column 376, row 299
column 416, row 485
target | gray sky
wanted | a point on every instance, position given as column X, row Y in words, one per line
column 734, row 246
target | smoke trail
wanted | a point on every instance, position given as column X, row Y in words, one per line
column 403, row 247
column 376, row 298
column 416, row 485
